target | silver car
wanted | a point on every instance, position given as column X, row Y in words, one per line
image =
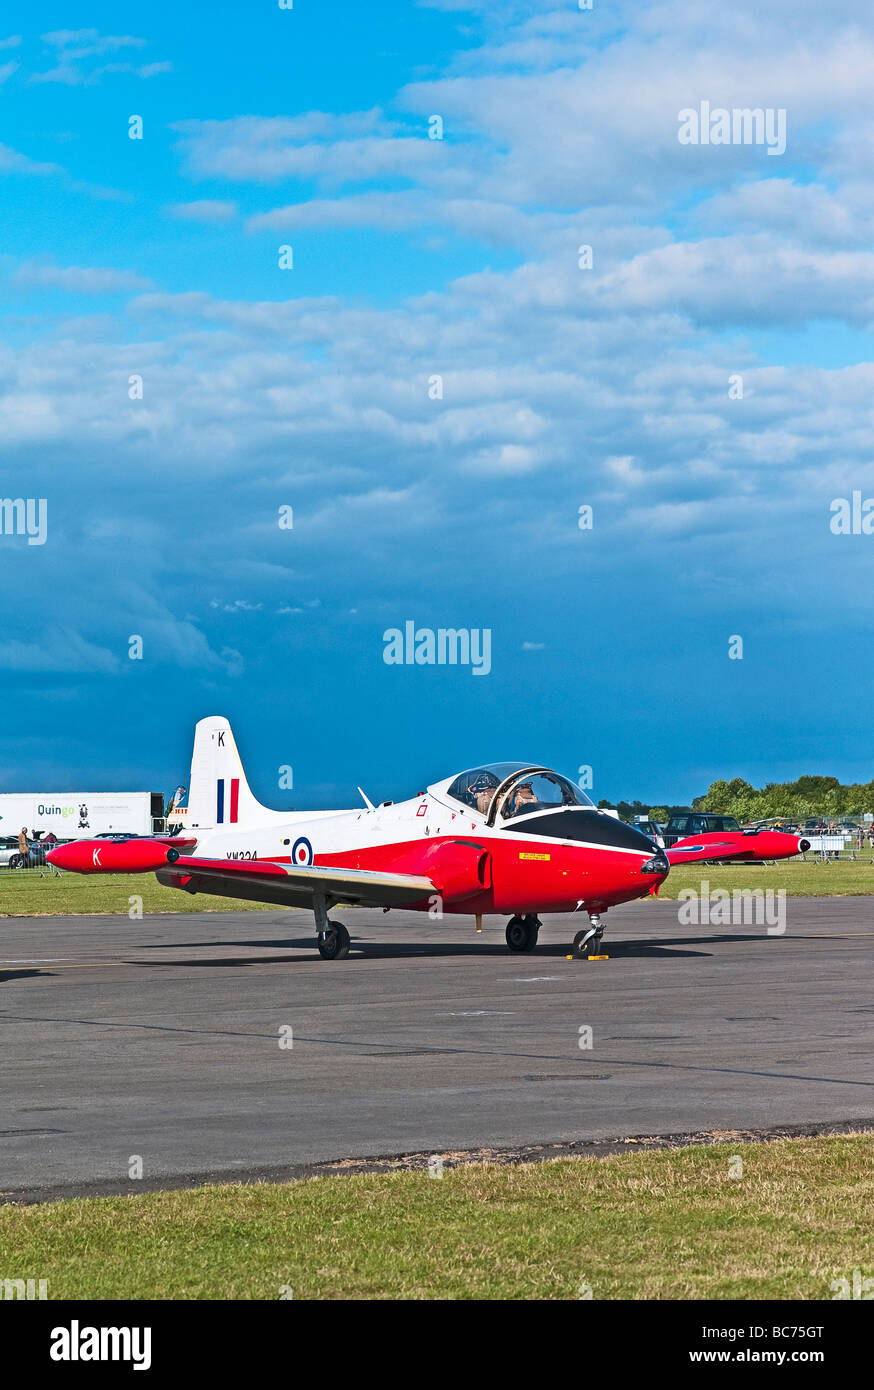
column 9, row 855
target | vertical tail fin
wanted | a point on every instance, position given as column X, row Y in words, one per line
column 218, row 793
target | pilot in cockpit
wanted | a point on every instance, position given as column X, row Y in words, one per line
column 524, row 799
column 482, row 790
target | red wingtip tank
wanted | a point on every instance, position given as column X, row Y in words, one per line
column 111, row 856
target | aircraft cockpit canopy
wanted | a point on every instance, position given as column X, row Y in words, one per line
column 507, row 790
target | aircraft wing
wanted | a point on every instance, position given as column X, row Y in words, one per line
column 292, row 885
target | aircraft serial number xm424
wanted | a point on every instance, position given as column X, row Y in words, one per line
column 510, row 839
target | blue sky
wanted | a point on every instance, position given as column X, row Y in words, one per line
column 309, row 388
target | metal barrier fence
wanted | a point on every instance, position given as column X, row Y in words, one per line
column 29, row 871
column 835, row 848
column 13, row 863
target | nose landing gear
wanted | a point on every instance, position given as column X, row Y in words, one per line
column 522, row 932
column 588, row 942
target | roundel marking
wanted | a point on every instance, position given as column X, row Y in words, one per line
column 302, row 852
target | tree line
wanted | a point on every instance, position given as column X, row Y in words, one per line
column 807, row 796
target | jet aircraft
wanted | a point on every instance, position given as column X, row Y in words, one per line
column 507, row 839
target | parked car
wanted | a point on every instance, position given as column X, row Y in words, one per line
column 11, row 856
column 8, row 850
column 650, row 829
column 696, row 823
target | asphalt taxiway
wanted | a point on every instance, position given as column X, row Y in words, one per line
column 221, row 1044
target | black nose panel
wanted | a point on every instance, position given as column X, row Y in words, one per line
column 579, row 823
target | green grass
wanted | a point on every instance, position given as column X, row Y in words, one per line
column 28, row 894
column 671, row 1224
column 800, row 879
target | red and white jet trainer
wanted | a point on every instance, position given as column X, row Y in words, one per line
column 735, row 846
column 506, row 838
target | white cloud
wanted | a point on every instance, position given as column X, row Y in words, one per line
column 60, row 650
column 211, row 211
column 808, row 213
column 74, row 279
column 333, row 149
column 81, row 43
column 389, row 210
column 75, row 49
column 148, row 69
column 11, row 162
column 756, row 279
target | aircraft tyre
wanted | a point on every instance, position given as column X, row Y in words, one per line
column 522, row 933
column 587, row 943
column 334, row 943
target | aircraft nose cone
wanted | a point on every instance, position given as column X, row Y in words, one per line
column 803, row 846
column 65, row 857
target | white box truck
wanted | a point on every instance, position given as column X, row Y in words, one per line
column 79, row 815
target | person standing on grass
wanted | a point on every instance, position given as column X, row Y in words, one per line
column 23, row 846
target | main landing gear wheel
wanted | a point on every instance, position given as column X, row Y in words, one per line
column 522, row 933
column 334, row 942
